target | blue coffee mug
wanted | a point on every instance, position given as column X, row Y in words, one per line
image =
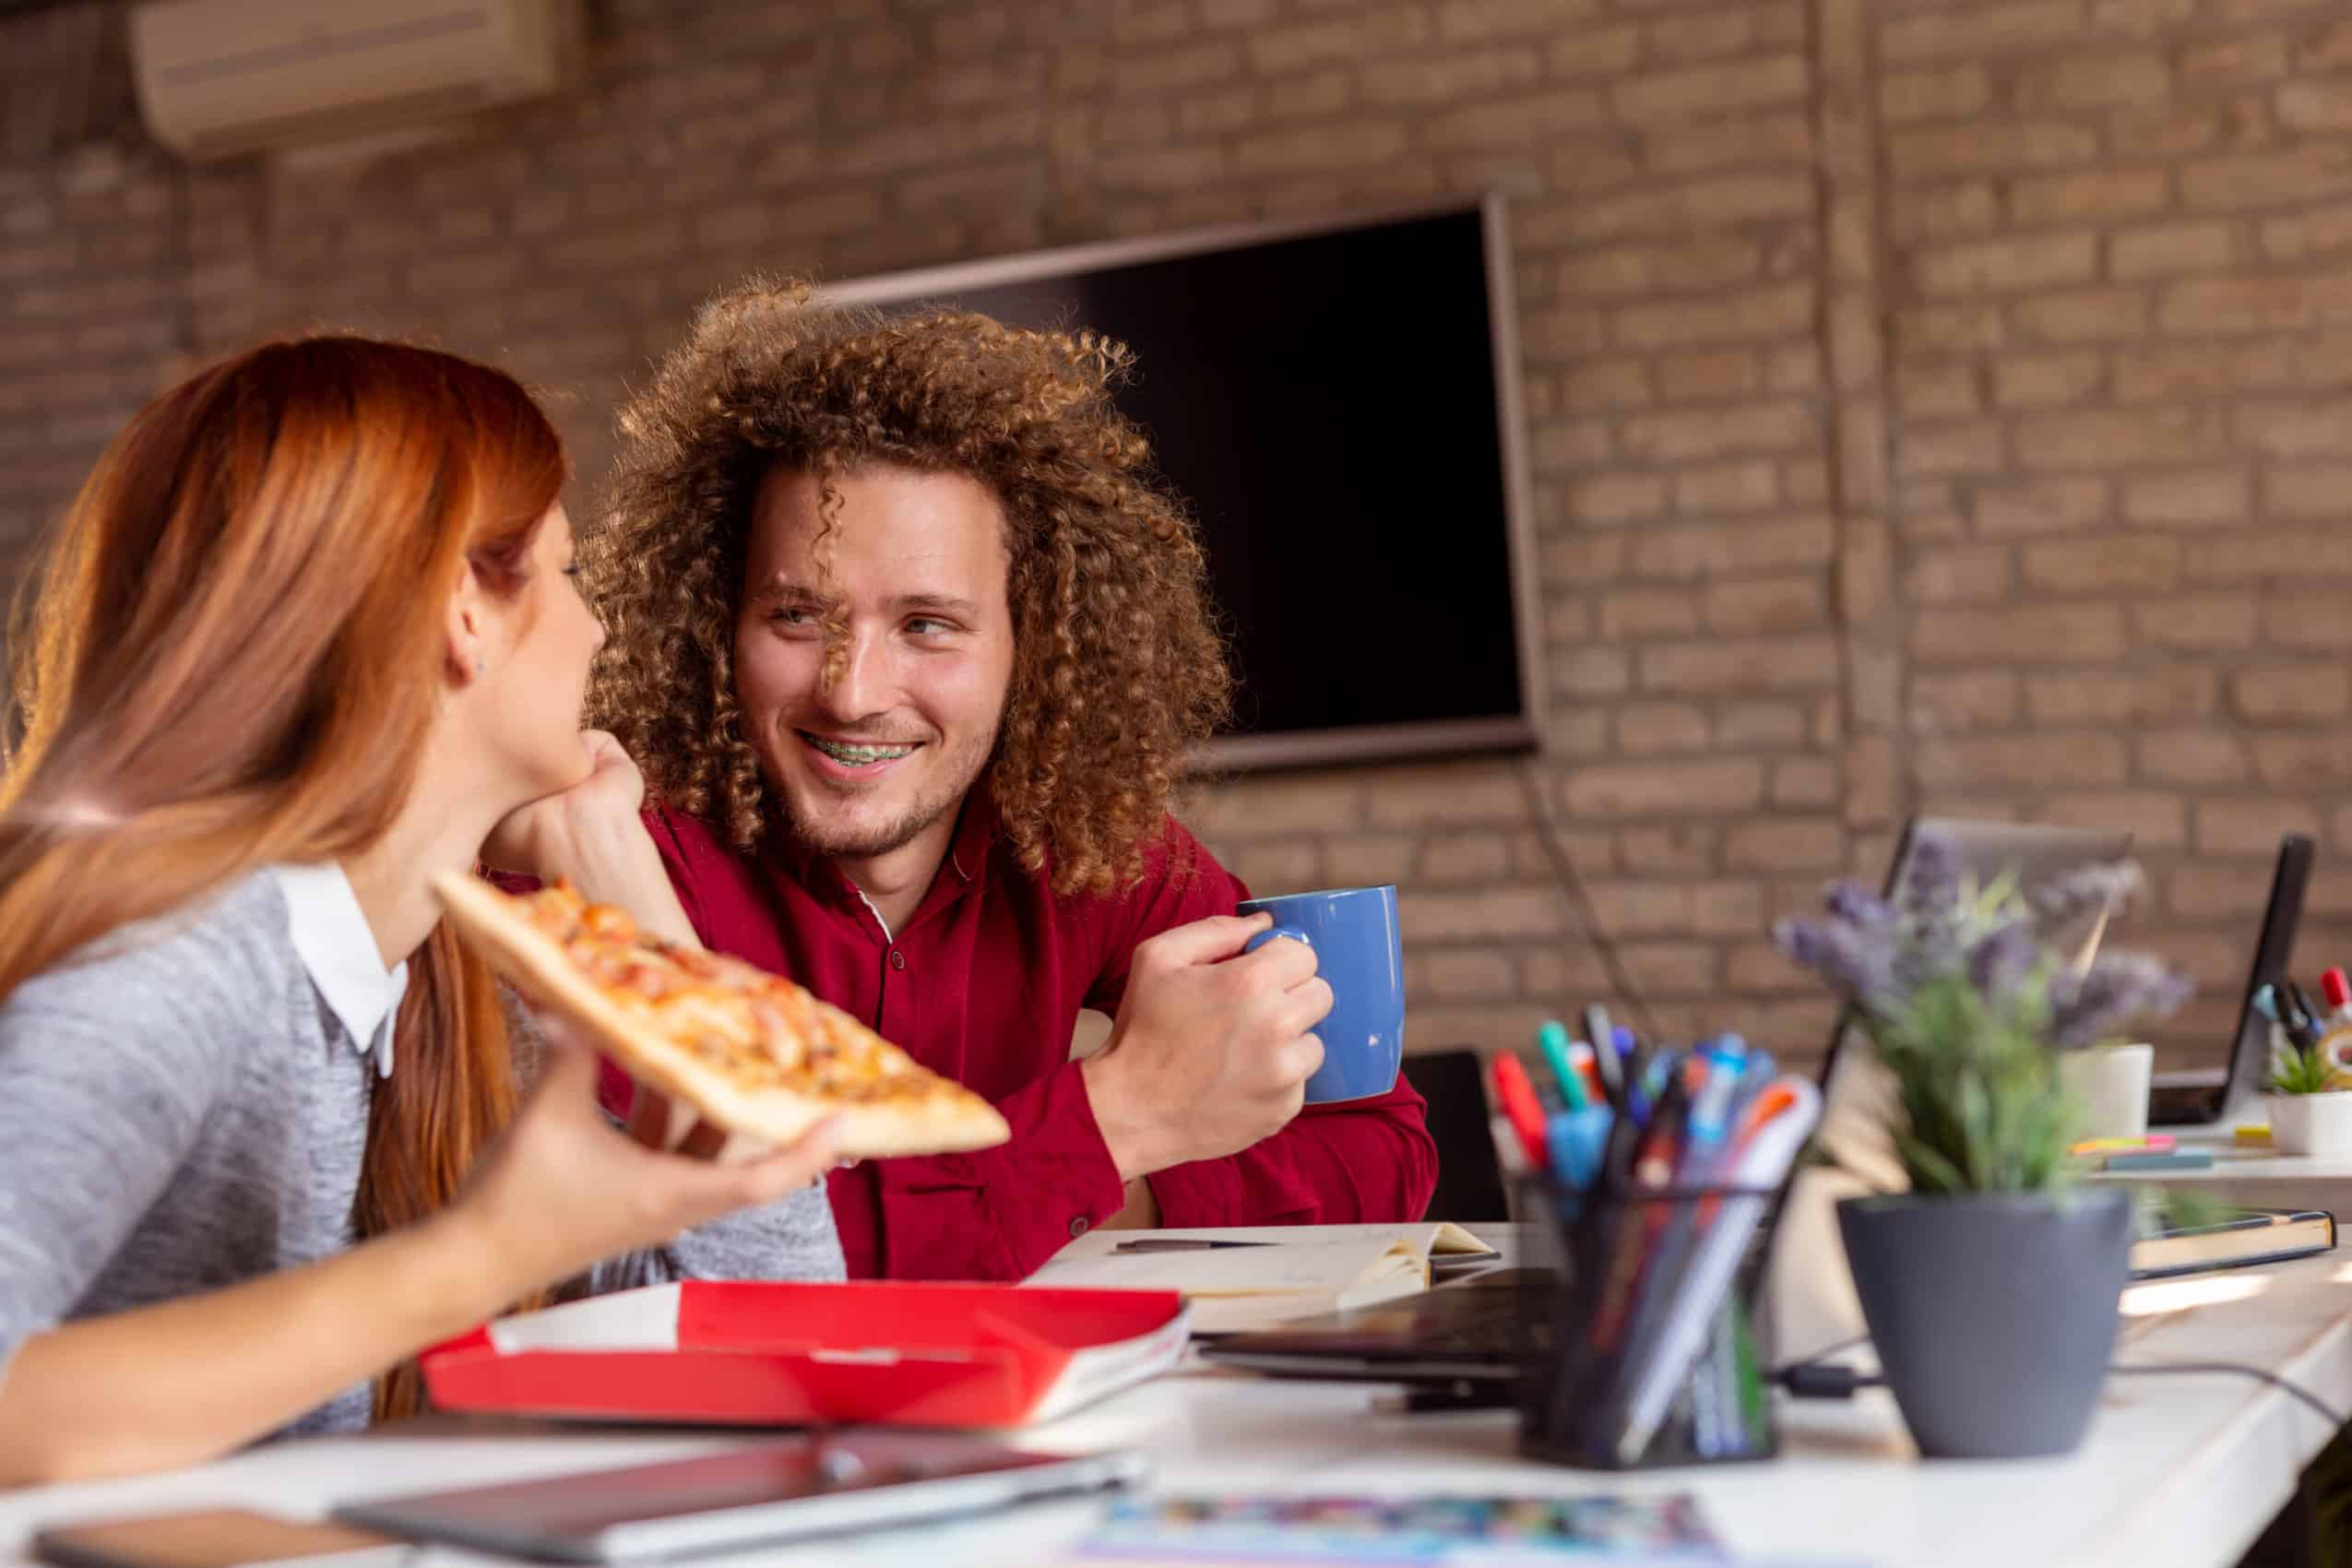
column 1359, row 955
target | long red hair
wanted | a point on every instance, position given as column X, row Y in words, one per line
column 229, row 658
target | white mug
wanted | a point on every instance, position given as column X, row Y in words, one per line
column 2111, row 1084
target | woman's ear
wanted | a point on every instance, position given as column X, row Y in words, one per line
column 467, row 634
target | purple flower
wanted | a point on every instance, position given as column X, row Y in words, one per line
column 1931, row 870
column 1932, row 948
column 2001, row 959
column 1857, row 961
column 2083, row 891
column 2117, row 989
column 1856, row 905
column 1932, row 877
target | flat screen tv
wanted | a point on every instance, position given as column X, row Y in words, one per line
column 1337, row 401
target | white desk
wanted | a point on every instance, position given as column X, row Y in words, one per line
column 2256, row 1177
column 2179, row 1471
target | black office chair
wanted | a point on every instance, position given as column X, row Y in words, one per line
column 1469, row 1176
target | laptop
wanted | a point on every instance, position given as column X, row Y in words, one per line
column 2201, row 1097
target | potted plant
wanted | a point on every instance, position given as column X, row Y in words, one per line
column 2310, row 1111
column 1989, row 1287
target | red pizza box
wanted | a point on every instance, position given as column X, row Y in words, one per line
column 968, row 1356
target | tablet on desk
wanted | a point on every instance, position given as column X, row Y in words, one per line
column 764, row 1494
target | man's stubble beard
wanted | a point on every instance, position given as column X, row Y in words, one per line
column 923, row 813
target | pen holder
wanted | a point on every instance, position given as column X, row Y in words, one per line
column 1642, row 1356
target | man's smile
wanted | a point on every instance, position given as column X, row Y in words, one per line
column 857, row 755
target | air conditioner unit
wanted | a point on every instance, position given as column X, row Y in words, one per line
column 222, row 78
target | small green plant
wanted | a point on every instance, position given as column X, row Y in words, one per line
column 1965, row 1000
column 2300, row 1070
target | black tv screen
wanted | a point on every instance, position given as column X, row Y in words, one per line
column 1337, row 403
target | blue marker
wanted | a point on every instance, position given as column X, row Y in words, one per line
column 1645, row 1096
column 1760, row 1072
column 1574, row 1140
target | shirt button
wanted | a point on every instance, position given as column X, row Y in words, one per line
column 897, row 959
column 1080, row 1226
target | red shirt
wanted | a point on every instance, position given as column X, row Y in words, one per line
column 984, row 985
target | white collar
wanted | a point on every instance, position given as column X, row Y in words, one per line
column 336, row 945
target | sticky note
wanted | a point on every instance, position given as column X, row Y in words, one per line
column 2162, row 1159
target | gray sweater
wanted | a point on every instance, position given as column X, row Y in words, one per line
column 180, row 1110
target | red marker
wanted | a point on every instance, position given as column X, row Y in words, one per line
column 1516, row 1094
column 2338, row 994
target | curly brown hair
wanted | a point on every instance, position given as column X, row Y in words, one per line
column 1118, row 668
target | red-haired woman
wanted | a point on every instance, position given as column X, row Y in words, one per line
column 306, row 638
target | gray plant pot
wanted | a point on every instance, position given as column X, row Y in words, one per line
column 1993, row 1316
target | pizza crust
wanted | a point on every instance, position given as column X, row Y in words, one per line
column 945, row 1118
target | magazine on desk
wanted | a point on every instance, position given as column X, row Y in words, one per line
column 1606, row 1529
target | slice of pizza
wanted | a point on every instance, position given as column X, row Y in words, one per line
column 750, row 1051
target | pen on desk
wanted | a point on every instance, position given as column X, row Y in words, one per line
column 1674, row 1228
column 1637, row 1097
column 1710, row 1119
column 2302, row 1028
column 1596, row 1092
column 1508, row 1152
column 1766, row 1144
column 1603, row 1037
column 1617, row 1151
column 1575, row 1139
column 1756, row 1070
column 1179, row 1244
column 1552, row 1038
column 1653, row 1167
column 1516, row 1094
column 1663, row 1067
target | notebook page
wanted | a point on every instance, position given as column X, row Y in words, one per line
column 1292, row 1267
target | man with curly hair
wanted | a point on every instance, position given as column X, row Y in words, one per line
column 911, row 648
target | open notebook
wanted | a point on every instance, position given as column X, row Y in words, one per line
column 1299, row 1271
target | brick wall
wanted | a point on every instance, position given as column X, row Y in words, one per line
column 2122, row 281
column 1932, row 403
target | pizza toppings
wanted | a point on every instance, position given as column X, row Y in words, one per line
column 751, row 1051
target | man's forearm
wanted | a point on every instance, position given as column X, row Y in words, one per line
column 1133, row 1134
column 1369, row 1164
